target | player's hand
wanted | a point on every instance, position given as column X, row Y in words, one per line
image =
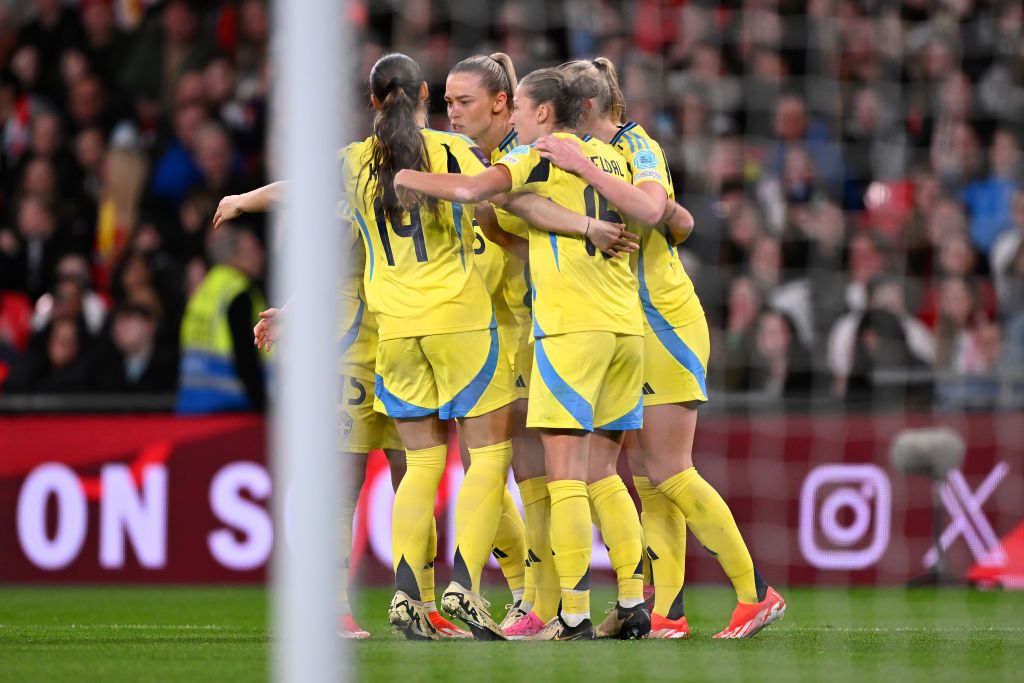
column 229, row 207
column 563, row 153
column 612, row 238
column 406, row 197
column 265, row 331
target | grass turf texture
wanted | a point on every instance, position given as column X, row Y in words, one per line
column 188, row 634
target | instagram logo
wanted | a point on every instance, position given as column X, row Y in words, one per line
column 844, row 516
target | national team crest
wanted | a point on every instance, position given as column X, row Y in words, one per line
column 345, row 424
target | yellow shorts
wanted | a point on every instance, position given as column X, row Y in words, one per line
column 587, row 380
column 459, row 374
column 361, row 429
column 675, row 363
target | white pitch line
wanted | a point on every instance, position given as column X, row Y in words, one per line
column 107, row 627
column 907, row 629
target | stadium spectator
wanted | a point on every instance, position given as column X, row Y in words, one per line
column 733, row 371
column 54, row 363
column 128, row 358
column 91, row 306
column 28, row 256
column 220, row 368
column 104, row 45
column 1006, row 264
column 781, row 364
column 165, row 52
column 176, row 170
column 794, row 130
column 884, row 374
column 885, row 293
column 988, row 201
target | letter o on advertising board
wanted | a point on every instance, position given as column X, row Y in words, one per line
column 52, row 479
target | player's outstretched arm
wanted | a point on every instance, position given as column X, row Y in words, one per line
column 493, row 231
column 611, row 238
column 254, row 201
column 644, row 204
column 453, row 187
column 679, row 222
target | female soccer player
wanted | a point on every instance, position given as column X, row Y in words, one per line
column 438, row 353
column 479, row 93
column 361, row 429
column 676, row 350
column 571, row 393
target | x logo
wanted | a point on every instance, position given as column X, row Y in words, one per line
column 967, row 519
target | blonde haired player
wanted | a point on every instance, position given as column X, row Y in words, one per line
column 676, row 350
column 572, row 394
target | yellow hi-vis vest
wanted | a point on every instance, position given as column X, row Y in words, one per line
column 207, row 380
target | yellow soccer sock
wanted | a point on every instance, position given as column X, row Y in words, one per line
column 665, row 537
column 712, row 523
column 477, row 511
column 620, row 528
column 571, row 539
column 541, row 571
column 510, row 546
column 426, row 577
column 412, row 520
column 346, row 511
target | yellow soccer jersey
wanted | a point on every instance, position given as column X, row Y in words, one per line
column 515, row 292
column 665, row 289
column 576, row 288
column 357, row 328
column 419, row 277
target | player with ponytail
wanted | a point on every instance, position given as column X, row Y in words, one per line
column 676, row 350
column 438, row 353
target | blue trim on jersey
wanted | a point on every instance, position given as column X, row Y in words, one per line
column 554, row 248
column 640, row 142
column 353, row 331
column 468, row 396
column 634, row 419
column 511, row 140
column 457, row 218
column 625, row 127
column 366, row 237
column 537, row 332
column 666, row 333
column 576, row 405
column 395, row 406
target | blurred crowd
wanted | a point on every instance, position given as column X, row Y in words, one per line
column 854, row 168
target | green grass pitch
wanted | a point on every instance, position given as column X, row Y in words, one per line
column 221, row 634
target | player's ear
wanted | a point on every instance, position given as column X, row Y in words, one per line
column 374, row 102
column 500, row 102
column 424, row 92
column 543, row 112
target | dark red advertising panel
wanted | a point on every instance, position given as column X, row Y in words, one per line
column 167, row 499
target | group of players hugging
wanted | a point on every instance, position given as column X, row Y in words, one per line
column 520, row 276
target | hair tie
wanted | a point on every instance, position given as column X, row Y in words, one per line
column 395, row 81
